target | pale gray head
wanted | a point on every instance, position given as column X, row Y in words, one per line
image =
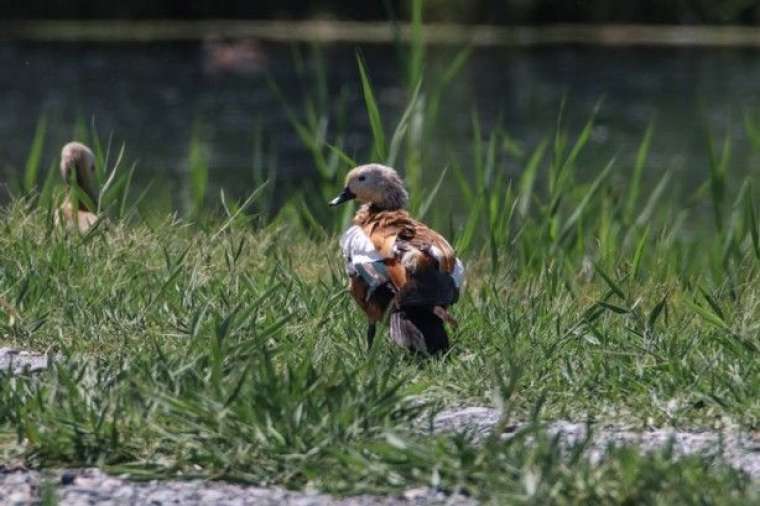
column 376, row 185
column 78, row 158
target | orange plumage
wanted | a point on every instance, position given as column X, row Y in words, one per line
column 395, row 261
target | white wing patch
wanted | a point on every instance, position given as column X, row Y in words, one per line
column 357, row 249
column 437, row 253
column 458, row 273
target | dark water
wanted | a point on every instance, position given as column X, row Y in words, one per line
column 153, row 96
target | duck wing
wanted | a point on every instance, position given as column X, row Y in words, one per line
column 415, row 246
column 392, row 257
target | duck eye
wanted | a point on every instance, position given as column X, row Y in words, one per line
column 362, row 178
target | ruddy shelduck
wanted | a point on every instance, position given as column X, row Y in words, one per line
column 77, row 164
column 396, row 262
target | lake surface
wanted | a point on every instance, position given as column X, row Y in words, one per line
column 154, row 96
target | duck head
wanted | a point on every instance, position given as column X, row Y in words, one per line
column 376, row 185
column 79, row 159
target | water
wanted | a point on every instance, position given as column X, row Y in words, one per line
column 153, row 96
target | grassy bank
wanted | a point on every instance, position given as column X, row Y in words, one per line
column 232, row 351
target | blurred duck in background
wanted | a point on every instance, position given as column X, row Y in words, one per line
column 240, row 56
column 78, row 167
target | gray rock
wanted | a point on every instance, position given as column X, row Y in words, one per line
column 17, row 361
column 93, row 487
column 738, row 449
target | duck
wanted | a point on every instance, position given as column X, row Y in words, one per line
column 240, row 56
column 398, row 264
column 80, row 159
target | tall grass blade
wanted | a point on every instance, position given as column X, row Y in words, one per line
column 373, row 112
column 528, row 178
column 634, row 184
column 398, row 135
column 34, row 158
column 233, row 216
column 342, row 155
column 581, row 207
column 751, row 218
column 417, row 56
column 111, row 178
column 616, row 289
column 198, row 172
column 442, row 82
column 708, row 315
column 125, row 192
column 431, row 195
column 466, row 240
column 46, row 193
column 639, row 253
column 718, row 174
column 651, row 206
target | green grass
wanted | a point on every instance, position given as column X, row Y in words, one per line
column 224, row 344
column 238, row 355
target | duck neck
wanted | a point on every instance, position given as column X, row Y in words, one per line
column 85, row 183
column 71, row 199
column 367, row 212
column 383, row 206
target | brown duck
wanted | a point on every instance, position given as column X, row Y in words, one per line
column 396, row 262
column 73, row 212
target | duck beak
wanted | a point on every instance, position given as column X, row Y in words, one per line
column 344, row 196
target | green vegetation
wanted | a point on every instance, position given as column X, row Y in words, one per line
column 223, row 344
column 237, row 355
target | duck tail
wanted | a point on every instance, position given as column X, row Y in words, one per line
column 419, row 311
column 419, row 329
